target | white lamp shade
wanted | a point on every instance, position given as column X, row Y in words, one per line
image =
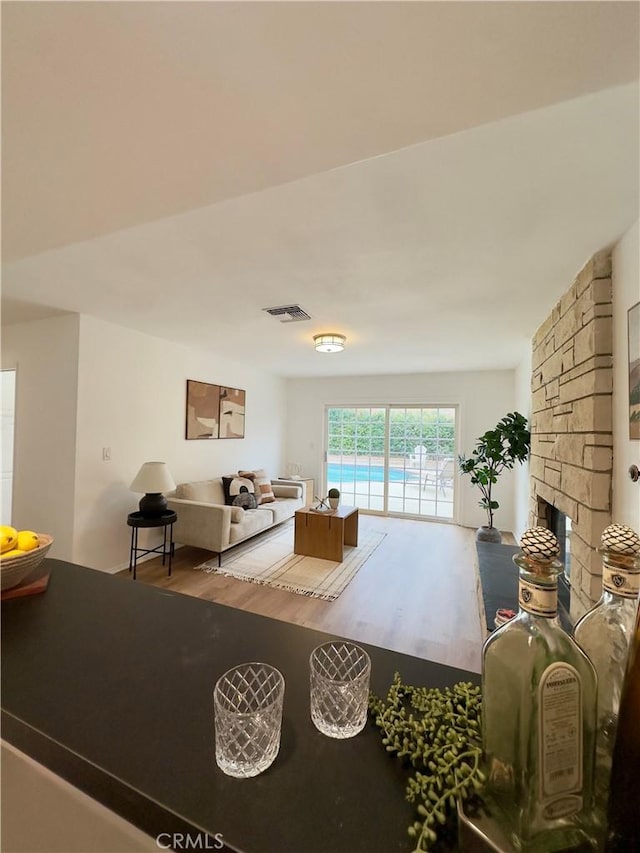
column 329, row 342
column 152, row 478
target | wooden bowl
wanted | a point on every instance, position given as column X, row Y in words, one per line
column 13, row 570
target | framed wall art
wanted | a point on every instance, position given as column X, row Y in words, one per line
column 203, row 410
column 633, row 319
column 232, row 409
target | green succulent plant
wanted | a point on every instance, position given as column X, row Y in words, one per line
column 437, row 733
column 333, row 493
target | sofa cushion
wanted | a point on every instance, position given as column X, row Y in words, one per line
column 252, row 522
column 262, row 485
column 206, row 491
column 281, row 509
column 239, row 491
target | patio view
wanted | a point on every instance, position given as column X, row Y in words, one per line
column 394, row 459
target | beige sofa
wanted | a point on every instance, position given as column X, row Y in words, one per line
column 205, row 521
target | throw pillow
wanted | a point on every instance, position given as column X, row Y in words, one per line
column 262, row 485
column 250, row 475
column 239, row 491
column 246, row 500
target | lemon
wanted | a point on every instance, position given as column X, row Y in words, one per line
column 15, row 552
column 27, row 540
column 8, row 537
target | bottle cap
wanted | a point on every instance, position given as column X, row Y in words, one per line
column 620, row 539
column 539, row 543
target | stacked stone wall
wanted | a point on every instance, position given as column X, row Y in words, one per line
column 571, row 421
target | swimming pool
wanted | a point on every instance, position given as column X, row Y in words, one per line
column 364, row 473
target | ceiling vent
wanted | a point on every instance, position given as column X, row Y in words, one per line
column 288, row 313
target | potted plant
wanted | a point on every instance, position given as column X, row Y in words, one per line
column 333, row 496
column 497, row 450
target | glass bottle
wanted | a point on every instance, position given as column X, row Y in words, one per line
column 539, row 714
column 605, row 633
column 624, row 799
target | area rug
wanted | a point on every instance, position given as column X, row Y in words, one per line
column 273, row 563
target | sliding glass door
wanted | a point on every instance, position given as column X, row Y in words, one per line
column 393, row 459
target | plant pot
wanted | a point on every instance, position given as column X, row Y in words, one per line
column 334, row 502
column 488, row 534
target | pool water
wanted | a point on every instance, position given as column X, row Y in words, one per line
column 364, row 486
column 365, row 473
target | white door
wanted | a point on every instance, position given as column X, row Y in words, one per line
column 7, row 425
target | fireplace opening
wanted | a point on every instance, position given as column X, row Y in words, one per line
column 560, row 525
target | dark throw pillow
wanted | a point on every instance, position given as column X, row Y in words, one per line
column 238, row 491
column 245, row 500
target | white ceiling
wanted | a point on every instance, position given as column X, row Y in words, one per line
column 426, row 178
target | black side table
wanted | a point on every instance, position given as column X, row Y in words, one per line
column 136, row 520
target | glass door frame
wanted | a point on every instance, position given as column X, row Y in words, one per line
column 8, row 443
column 387, row 408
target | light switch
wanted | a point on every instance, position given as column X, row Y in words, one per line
column 106, row 454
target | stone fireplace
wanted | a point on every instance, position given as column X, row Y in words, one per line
column 571, row 422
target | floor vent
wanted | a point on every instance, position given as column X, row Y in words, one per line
column 288, row 313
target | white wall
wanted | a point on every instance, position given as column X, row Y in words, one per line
column 626, row 292
column 522, row 380
column 82, row 385
column 45, row 355
column 483, row 398
column 132, row 399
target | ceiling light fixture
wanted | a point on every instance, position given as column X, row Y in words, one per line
column 329, row 342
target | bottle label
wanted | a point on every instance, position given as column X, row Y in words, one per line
column 537, row 599
column 560, row 740
column 620, row 582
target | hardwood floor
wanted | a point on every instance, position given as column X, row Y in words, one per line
column 416, row 593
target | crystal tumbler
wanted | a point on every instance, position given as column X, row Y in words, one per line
column 248, row 716
column 339, row 688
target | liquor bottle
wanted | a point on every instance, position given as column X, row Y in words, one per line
column 605, row 633
column 539, row 694
column 624, row 798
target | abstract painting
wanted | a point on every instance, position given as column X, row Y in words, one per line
column 634, row 371
column 232, row 403
column 203, row 410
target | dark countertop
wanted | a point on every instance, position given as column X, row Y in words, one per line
column 110, row 685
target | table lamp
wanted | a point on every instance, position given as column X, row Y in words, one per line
column 153, row 478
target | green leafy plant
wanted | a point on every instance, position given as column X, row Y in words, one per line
column 333, row 493
column 495, row 451
column 437, row 734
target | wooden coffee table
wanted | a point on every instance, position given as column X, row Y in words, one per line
column 324, row 534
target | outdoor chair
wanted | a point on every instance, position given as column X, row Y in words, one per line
column 444, row 476
column 418, row 457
